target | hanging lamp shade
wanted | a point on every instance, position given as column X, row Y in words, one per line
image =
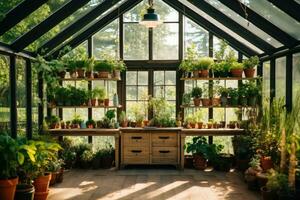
column 150, row 19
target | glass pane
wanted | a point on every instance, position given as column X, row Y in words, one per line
column 6, row 6
column 5, row 93
column 170, row 93
column 106, row 41
column 32, row 20
column 69, row 20
column 280, row 73
column 142, row 92
column 135, row 42
column 243, row 22
column 21, row 97
column 35, row 100
column 225, row 141
column 159, row 78
column 195, row 35
column 142, row 78
column 134, row 15
column 221, row 26
column 102, row 142
column 296, row 76
column 165, row 42
column 68, row 114
column 158, row 91
column 216, row 47
column 266, row 80
column 170, row 77
column 275, row 16
column 131, row 78
column 131, row 93
column 98, row 114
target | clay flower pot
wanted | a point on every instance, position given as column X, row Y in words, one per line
column 41, row 184
column 266, row 163
column 95, row 75
column 103, row 74
column 204, row 73
column 8, row 188
column 200, row 125
column 89, row 74
column 41, row 195
column 236, row 73
column 216, row 101
column 53, row 178
column 196, row 73
column 197, row 101
column 209, row 125
column 73, row 74
column 193, row 125
column 60, row 176
column 205, row 102
column 199, row 162
column 62, row 74
column 100, row 102
column 117, row 74
column 249, row 73
column 106, row 102
column 93, row 102
column 80, row 73
column 146, row 122
column 124, row 124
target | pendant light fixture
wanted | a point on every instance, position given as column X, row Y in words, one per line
column 150, row 19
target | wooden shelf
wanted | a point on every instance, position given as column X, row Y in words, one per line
column 90, row 79
column 192, row 106
column 219, row 78
column 84, row 132
column 213, row 132
column 53, row 107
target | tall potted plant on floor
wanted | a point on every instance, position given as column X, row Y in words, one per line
column 198, row 147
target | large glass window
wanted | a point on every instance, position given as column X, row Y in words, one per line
column 106, row 41
column 280, row 73
column 136, row 93
column 6, row 6
column 5, row 93
column 296, row 76
column 266, row 80
column 194, row 34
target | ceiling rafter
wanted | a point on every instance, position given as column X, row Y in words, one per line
column 290, row 7
column 97, row 26
column 210, row 27
column 18, row 13
column 46, row 25
column 76, row 26
column 260, row 22
column 234, row 26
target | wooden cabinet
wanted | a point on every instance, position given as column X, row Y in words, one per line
column 150, row 147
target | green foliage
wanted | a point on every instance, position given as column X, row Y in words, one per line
column 196, row 92
column 233, row 92
column 90, row 122
column 251, row 62
column 186, row 98
column 53, row 119
column 220, row 54
column 191, row 57
column 203, row 63
column 88, row 64
column 223, row 91
column 55, row 165
column 236, row 65
column 255, row 161
column 86, row 156
column 98, row 93
column 110, row 114
column 161, row 108
column 104, row 65
column 252, row 89
column 277, row 181
column 123, row 117
column 77, row 120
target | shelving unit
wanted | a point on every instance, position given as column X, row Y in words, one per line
column 218, row 79
column 90, row 79
column 192, row 106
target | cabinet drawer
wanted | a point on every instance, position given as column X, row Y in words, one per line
column 164, row 140
column 136, row 155
column 164, row 155
column 136, row 139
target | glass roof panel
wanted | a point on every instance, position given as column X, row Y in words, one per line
column 32, row 20
column 58, row 28
column 6, row 6
column 275, row 16
column 243, row 22
column 221, row 26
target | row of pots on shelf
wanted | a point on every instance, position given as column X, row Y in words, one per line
column 226, row 101
column 81, row 73
column 91, row 102
column 211, row 125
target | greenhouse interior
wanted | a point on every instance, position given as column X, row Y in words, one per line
column 149, row 99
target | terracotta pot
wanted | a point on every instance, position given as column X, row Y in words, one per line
column 249, row 73
column 73, row 74
column 222, row 124
column 199, row 162
column 193, row 125
column 95, row 75
column 8, row 188
column 100, row 102
column 200, row 125
column 146, row 122
column 215, row 125
column 24, row 192
column 88, row 74
column 196, row 73
column 41, row 195
column 267, row 194
column 236, row 72
column 124, row 124
column 75, row 126
column 62, row 74
column 80, row 73
column 133, row 124
column 139, row 124
column 60, row 176
column 204, row 73
column 63, row 125
column 103, row 74
column 209, row 126
column 53, row 178
column 216, row 101
column 41, row 184
column 93, row 102
column 197, row 101
column 90, row 126
column 106, row 102
column 117, row 74
column 206, row 102
column 266, row 163
column 188, row 161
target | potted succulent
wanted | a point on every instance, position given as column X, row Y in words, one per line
column 89, row 67
column 223, row 92
column 204, row 65
column 103, row 68
column 236, row 69
column 123, row 119
column 118, row 67
column 90, row 123
column 249, row 66
column 53, row 122
column 233, row 96
column 196, row 94
column 243, row 94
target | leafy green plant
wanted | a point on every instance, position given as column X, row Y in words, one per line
column 191, row 57
column 196, row 92
column 88, row 64
column 110, row 114
column 103, row 65
column 119, row 65
column 251, row 62
column 223, row 91
column 186, row 98
column 77, row 120
column 233, row 92
column 123, row 117
column 86, row 156
column 236, row 65
column 203, row 63
column 98, row 93
column 90, row 122
column 252, row 89
column 53, row 119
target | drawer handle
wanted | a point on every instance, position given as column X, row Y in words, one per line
column 136, row 151
column 136, row 137
column 164, row 137
column 163, row 151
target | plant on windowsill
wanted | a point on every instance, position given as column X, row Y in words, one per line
column 249, row 66
column 118, row 67
column 89, row 67
column 196, row 94
column 253, row 91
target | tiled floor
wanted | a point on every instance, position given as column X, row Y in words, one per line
column 151, row 184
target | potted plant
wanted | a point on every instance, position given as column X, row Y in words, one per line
column 196, row 94
column 217, row 69
column 62, row 124
column 269, row 191
column 232, row 124
column 249, row 66
column 223, row 162
column 54, row 166
column 188, row 63
column 243, row 150
column 204, row 65
column 68, row 124
column 233, row 96
column 210, row 123
column 198, row 147
column 86, row 159
column 89, row 67
column 53, row 122
column 215, row 100
column 118, row 67
column 108, row 154
column 97, row 159
column 236, row 69
column 123, row 119
column 223, row 92
column 80, row 68
column 186, row 99
column 103, row 68
column 243, row 94
column 76, row 122
column 253, row 93
column 90, row 123
column 252, row 171
column 59, row 67
column 206, row 101
column 72, row 68
column 191, row 120
column 69, row 157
